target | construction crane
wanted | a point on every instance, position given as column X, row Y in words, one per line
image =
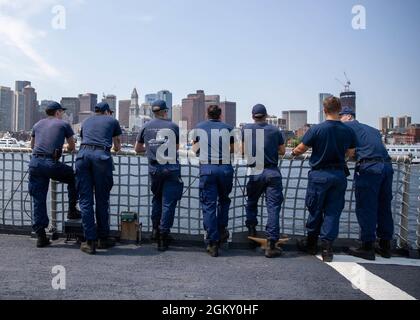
column 345, row 85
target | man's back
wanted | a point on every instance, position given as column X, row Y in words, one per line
column 213, row 129
column 156, row 133
column 368, row 141
column 99, row 130
column 50, row 134
column 329, row 141
column 272, row 140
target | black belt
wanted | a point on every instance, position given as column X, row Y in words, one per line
column 329, row 167
column 94, row 147
column 369, row 160
column 43, row 155
column 266, row 166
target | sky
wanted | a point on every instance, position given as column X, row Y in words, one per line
column 281, row 53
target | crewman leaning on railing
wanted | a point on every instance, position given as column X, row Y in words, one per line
column 47, row 141
column 216, row 176
column 327, row 182
column 373, row 183
column 160, row 139
column 94, row 166
column 264, row 178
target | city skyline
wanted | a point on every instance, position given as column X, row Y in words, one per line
column 280, row 61
column 81, row 106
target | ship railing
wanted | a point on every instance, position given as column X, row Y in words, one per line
column 131, row 193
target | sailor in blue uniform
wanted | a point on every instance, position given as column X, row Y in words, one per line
column 160, row 139
column 330, row 142
column 215, row 142
column 48, row 137
column 266, row 179
column 373, row 184
column 94, row 178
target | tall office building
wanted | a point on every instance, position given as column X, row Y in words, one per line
column 124, row 112
column 228, row 112
column 212, row 99
column 295, row 119
column 194, row 109
column 20, row 85
column 72, row 104
column 322, row 97
column 348, row 99
column 19, row 112
column 6, row 108
column 19, row 106
column 164, row 95
column 150, row 98
column 88, row 101
column 403, row 122
column 30, row 106
column 386, row 124
column 112, row 101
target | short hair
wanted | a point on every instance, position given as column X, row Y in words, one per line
column 160, row 113
column 332, row 105
column 214, row 112
column 50, row 113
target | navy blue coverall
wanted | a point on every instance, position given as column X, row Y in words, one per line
column 164, row 171
column 373, row 183
column 49, row 135
column 94, row 177
column 325, row 197
column 269, row 181
column 216, row 175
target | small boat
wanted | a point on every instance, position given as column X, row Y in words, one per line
column 7, row 142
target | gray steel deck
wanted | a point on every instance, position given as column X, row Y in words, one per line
column 132, row 272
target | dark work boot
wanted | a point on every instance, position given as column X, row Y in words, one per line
column 365, row 251
column 88, row 247
column 74, row 214
column 308, row 245
column 213, row 249
column 163, row 242
column 327, row 251
column 224, row 235
column 106, row 243
column 155, row 234
column 384, row 248
column 252, row 231
column 272, row 251
column 42, row 239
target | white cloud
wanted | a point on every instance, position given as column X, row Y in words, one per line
column 15, row 31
